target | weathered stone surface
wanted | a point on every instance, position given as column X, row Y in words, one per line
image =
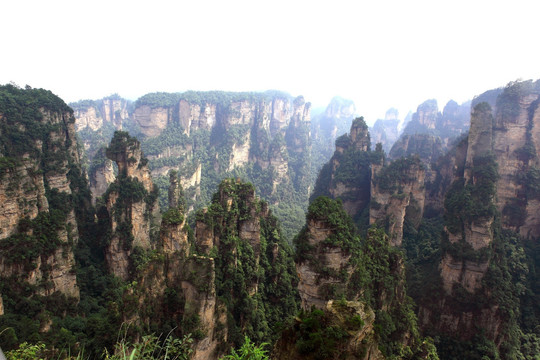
column 22, row 195
column 100, row 179
column 389, row 207
column 360, row 344
column 311, row 282
column 152, row 121
column 138, row 216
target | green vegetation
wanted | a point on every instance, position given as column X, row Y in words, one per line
column 317, row 335
column 467, row 202
column 260, row 315
column 397, row 172
column 248, row 351
column 376, row 278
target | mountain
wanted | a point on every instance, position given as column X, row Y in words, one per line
column 426, row 256
column 487, row 261
column 43, row 195
column 465, row 217
column 207, row 136
column 386, row 131
column 429, row 133
column 326, row 127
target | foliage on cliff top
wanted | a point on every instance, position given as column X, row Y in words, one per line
column 223, row 98
column 467, row 202
column 121, row 143
column 259, row 315
column 376, row 276
column 359, row 122
column 398, row 172
column 21, row 119
column 508, row 102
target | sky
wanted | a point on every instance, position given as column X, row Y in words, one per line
column 380, row 54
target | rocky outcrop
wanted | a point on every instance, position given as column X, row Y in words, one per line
column 347, row 175
column 131, row 202
column 499, row 150
column 235, row 238
column 94, row 115
column 40, row 173
column 312, row 284
column 430, row 133
column 397, row 192
column 359, row 344
column 386, row 131
column 20, row 182
column 101, row 175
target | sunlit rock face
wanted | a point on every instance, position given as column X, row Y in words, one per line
column 500, row 151
column 32, row 182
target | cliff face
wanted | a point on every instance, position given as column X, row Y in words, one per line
column 313, row 286
column 489, row 177
column 39, row 172
column 427, row 147
column 131, row 201
column 233, row 276
column 347, row 174
column 386, row 131
column 207, row 136
column 335, row 121
column 94, row 115
column 96, row 121
column 397, row 193
column 430, row 132
column 372, row 191
column 516, row 141
column 334, row 263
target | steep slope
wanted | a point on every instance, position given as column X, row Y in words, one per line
column 327, row 127
column 235, row 277
column 397, row 195
column 486, row 271
column 374, row 318
column 42, row 195
column 131, row 201
column 386, row 131
column 430, row 132
column 207, row 136
column 348, row 173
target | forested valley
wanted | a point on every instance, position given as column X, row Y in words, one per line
column 242, row 225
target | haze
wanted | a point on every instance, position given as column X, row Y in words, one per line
column 379, row 54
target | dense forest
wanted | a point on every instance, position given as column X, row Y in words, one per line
column 215, row 225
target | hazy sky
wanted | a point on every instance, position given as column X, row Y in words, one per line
column 377, row 53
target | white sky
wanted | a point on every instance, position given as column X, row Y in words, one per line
column 378, row 53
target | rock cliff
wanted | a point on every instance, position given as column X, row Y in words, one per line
column 430, row 132
column 206, row 136
column 347, row 175
column 397, row 193
column 235, row 275
column 488, row 176
column 131, row 201
column 40, row 173
column 326, row 127
column 386, row 131
column 334, row 263
column 96, row 120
